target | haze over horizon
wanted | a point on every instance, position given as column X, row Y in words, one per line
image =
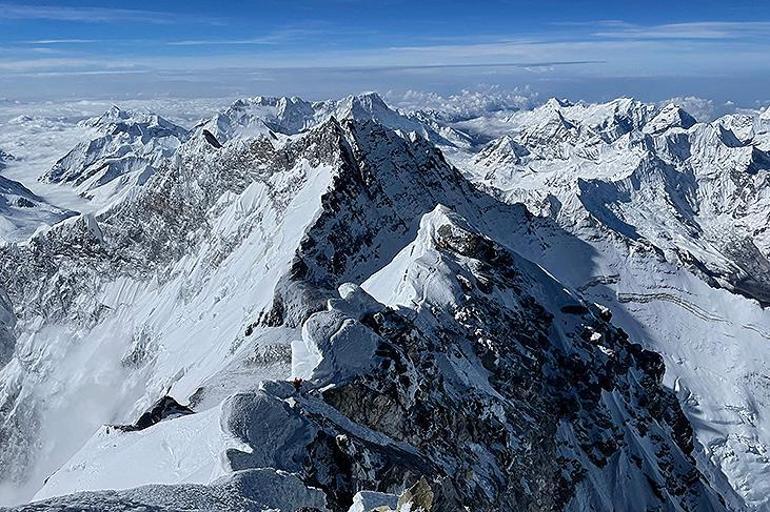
column 592, row 50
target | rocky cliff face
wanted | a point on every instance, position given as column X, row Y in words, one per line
column 7, row 325
column 476, row 388
column 497, row 387
column 4, row 159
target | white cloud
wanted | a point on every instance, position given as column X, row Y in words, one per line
column 693, row 30
column 62, row 41
column 283, row 35
column 217, row 42
column 11, row 11
column 467, row 103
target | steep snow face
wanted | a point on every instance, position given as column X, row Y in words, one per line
column 671, row 116
column 126, row 151
column 743, row 126
column 186, row 450
column 449, row 275
column 503, row 152
column 193, row 288
column 485, row 323
column 695, row 191
column 699, row 195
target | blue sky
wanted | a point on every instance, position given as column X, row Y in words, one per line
column 316, row 48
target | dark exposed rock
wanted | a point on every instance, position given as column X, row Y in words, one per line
column 211, row 139
column 24, row 203
column 163, row 409
column 574, row 309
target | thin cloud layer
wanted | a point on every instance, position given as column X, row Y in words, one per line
column 421, row 46
column 87, row 14
column 712, row 30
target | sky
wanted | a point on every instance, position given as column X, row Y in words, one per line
column 579, row 49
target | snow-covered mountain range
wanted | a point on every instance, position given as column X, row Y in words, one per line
column 341, row 306
column 124, row 153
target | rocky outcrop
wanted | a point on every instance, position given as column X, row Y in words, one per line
column 7, row 325
column 4, row 159
column 165, row 408
column 437, row 378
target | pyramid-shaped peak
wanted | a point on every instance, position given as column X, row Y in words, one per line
column 670, row 116
column 370, row 106
column 556, row 103
column 679, row 114
column 369, row 98
column 114, row 114
column 365, row 103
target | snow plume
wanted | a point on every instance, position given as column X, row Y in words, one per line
column 466, row 104
column 78, row 403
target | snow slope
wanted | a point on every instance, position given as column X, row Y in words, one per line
column 185, row 450
column 139, row 305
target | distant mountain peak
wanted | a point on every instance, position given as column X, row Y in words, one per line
column 670, row 116
column 556, row 103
